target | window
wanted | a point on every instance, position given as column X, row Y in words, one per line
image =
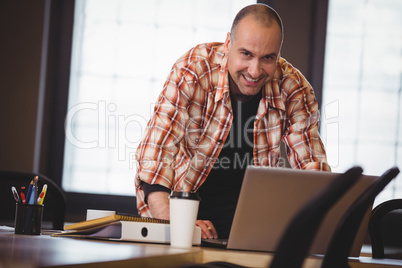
column 362, row 96
column 122, row 53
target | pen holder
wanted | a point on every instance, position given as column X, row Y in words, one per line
column 28, row 219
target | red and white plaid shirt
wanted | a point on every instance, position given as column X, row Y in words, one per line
column 193, row 116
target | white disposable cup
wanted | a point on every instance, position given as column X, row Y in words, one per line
column 95, row 213
column 183, row 215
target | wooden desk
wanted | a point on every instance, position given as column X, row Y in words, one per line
column 258, row 259
column 46, row 251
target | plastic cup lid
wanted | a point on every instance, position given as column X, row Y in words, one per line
column 185, row 195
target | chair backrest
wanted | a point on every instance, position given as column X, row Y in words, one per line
column 296, row 241
column 344, row 235
column 54, row 202
column 384, row 229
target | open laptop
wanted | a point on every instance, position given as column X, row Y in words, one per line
column 269, row 199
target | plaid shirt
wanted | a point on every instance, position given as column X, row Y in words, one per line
column 193, row 116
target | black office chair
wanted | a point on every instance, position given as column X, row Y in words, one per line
column 296, row 241
column 54, row 202
column 385, row 229
column 345, row 233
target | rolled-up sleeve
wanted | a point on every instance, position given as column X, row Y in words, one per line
column 304, row 146
column 156, row 153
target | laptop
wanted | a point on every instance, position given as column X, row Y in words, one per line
column 270, row 198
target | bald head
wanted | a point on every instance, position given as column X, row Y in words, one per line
column 261, row 14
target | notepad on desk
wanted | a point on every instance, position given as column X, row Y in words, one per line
column 124, row 227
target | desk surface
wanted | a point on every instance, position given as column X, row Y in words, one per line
column 46, row 251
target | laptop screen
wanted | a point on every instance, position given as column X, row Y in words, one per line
column 269, row 199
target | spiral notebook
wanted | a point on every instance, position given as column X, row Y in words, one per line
column 118, row 216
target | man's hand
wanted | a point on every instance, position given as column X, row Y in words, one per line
column 159, row 205
column 207, row 229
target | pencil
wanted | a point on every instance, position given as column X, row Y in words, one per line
column 36, row 190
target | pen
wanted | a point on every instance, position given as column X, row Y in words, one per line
column 42, row 195
column 23, row 196
column 15, row 193
column 28, row 196
column 32, row 200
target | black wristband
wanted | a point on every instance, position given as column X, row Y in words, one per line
column 149, row 188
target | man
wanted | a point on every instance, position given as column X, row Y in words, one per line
column 222, row 107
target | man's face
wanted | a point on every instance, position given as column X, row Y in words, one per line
column 253, row 51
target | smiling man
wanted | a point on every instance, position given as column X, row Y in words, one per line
column 225, row 106
column 253, row 45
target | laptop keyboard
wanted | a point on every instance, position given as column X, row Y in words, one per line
column 214, row 243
